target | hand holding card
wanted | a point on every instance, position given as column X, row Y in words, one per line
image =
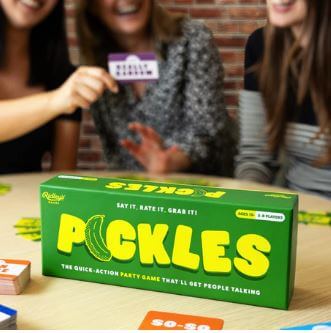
column 133, row 67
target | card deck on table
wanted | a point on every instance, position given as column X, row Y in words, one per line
column 14, row 276
column 321, row 218
column 4, row 189
column 310, row 327
column 29, row 228
column 156, row 320
column 8, row 318
column 133, row 67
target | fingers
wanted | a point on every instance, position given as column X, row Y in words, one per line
column 130, row 146
column 79, row 101
column 87, row 93
column 147, row 133
column 83, row 88
column 102, row 76
column 173, row 149
column 92, row 83
column 135, row 150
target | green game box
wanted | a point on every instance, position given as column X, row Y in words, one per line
column 228, row 245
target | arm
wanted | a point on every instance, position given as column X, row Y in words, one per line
column 22, row 115
column 65, row 147
column 254, row 161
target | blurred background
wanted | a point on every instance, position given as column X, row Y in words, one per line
column 231, row 22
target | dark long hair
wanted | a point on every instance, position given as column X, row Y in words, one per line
column 286, row 66
column 48, row 49
column 96, row 41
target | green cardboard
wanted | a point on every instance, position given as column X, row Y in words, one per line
column 4, row 189
column 228, row 245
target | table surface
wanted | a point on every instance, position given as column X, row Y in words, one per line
column 54, row 303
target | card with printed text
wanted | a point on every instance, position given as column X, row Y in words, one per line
column 133, row 67
column 156, row 320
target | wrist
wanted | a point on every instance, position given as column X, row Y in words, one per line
column 54, row 105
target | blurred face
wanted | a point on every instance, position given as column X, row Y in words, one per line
column 286, row 13
column 25, row 14
column 124, row 17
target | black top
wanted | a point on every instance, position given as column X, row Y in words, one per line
column 25, row 153
column 304, row 113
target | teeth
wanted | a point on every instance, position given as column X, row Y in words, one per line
column 283, row 2
column 127, row 9
column 31, row 3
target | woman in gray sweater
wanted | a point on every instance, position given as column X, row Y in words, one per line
column 178, row 123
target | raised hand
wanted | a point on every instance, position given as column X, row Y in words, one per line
column 151, row 152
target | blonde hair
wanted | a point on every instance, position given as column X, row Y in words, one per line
column 96, row 41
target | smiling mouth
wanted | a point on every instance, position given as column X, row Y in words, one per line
column 128, row 8
column 34, row 4
column 283, row 3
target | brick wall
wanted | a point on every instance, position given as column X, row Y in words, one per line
column 231, row 21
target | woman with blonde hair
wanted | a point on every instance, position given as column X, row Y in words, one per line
column 180, row 121
column 286, row 101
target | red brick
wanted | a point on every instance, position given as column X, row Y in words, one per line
column 205, row 12
column 247, row 13
column 230, row 41
column 231, row 100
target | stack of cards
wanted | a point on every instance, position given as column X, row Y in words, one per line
column 29, row 228
column 322, row 218
column 311, row 327
column 8, row 318
column 14, row 276
column 4, row 189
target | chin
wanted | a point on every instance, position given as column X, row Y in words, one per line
column 21, row 25
column 131, row 29
column 281, row 22
column 20, row 21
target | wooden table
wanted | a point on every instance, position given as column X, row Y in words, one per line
column 53, row 303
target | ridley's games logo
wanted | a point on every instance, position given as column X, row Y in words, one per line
column 53, row 198
column 120, row 240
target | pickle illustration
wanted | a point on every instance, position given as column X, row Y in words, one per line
column 94, row 239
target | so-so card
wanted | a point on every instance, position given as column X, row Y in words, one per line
column 133, row 67
column 156, row 320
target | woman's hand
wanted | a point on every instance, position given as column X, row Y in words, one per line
column 151, row 152
column 82, row 89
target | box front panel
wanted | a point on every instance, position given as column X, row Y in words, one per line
column 193, row 248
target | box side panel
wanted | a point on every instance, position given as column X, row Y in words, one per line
column 293, row 247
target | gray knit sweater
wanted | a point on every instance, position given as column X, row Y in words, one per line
column 185, row 107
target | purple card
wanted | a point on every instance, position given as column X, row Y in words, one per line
column 133, row 67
